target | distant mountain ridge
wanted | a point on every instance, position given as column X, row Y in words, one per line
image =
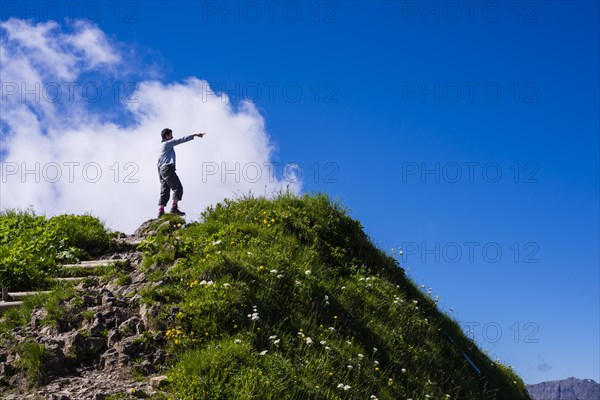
column 565, row 389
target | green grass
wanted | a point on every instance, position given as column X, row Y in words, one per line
column 31, row 245
column 54, row 303
column 268, row 299
column 288, row 298
column 31, row 357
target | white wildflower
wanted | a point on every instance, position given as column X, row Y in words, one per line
column 262, row 353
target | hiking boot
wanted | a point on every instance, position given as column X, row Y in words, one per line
column 175, row 210
column 161, row 212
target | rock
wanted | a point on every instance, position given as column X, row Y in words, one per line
column 89, row 301
column 145, row 367
column 54, row 361
column 159, row 382
column 91, row 358
column 96, row 327
column 6, row 369
column 107, row 316
column 37, row 316
column 140, row 327
column 148, row 315
column 132, row 346
column 113, row 337
column 159, row 357
column 48, row 331
column 108, row 299
column 131, row 327
column 144, row 229
column 107, row 359
column 60, row 396
column 138, row 277
column 82, row 346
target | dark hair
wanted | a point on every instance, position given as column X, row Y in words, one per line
column 165, row 132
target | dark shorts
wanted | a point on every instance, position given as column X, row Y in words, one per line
column 169, row 181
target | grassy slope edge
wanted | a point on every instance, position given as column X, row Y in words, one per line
column 31, row 245
column 288, row 298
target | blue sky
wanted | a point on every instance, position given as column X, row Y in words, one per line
column 453, row 132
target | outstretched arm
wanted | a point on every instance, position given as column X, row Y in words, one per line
column 183, row 139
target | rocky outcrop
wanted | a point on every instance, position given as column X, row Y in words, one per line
column 566, row 389
column 103, row 340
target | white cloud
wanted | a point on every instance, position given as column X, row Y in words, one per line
column 69, row 157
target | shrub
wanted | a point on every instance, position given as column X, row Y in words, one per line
column 31, row 245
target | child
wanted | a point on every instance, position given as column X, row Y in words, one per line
column 166, row 171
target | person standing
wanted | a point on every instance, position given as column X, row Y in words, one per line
column 166, row 171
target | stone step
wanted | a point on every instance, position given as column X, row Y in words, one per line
column 13, row 299
column 20, row 295
column 70, row 279
column 5, row 305
column 132, row 242
column 90, row 264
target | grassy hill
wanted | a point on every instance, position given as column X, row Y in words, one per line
column 289, row 299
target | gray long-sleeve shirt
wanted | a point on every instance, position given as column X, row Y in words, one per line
column 167, row 152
